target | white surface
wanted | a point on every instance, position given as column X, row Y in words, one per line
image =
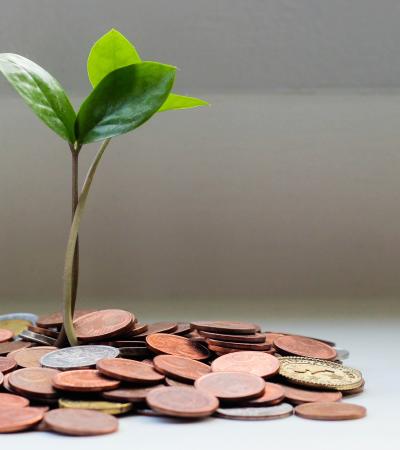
column 373, row 346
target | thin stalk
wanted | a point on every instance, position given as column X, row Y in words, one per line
column 71, row 245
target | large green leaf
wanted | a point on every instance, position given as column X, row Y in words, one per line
column 123, row 100
column 109, row 53
column 42, row 92
column 175, row 101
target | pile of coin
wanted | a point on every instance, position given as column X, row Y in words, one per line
column 224, row 369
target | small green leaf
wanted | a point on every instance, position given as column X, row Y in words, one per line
column 123, row 100
column 41, row 92
column 175, row 101
column 109, row 53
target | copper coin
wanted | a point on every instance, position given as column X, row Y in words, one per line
column 258, row 363
column 129, row 370
column 256, row 413
column 83, row 381
column 103, row 324
column 137, row 328
column 120, row 343
column 229, row 386
column 348, row 392
column 6, row 384
column 177, row 346
column 239, row 345
column 5, row 335
column 306, row 347
column 273, row 394
column 221, row 326
column 284, row 333
column 128, row 394
column 44, row 331
column 330, row 411
column 181, row 368
column 298, row 396
column 12, row 401
column 7, row 364
column 182, row 402
column 7, row 347
column 270, row 337
column 1, row 378
column 56, row 319
column 222, row 350
column 30, row 357
column 34, row 381
column 17, row 419
column 257, row 338
column 80, row 422
column 172, row 382
column 157, row 327
column 183, row 329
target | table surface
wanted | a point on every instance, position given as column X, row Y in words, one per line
column 373, row 347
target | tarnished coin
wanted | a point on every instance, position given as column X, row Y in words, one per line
column 330, row 411
column 229, row 386
column 37, row 338
column 87, row 380
column 256, row 413
column 34, row 381
column 129, row 370
column 30, row 357
column 257, row 338
column 80, row 357
column 239, row 345
column 319, row 373
column 177, row 346
column 258, row 363
column 129, row 394
column 303, row 346
column 221, row 326
column 298, row 396
column 347, row 393
column 12, row 401
column 5, row 335
column 182, row 402
column 113, row 408
column 103, row 324
column 17, row 419
column 181, row 368
column 7, row 347
column 157, row 327
column 273, row 394
column 44, row 331
column 80, row 422
column 55, row 320
column 7, row 364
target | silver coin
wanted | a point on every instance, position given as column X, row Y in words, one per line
column 79, row 357
column 256, row 413
column 342, row 353
column 37, row 338
column 20, row 316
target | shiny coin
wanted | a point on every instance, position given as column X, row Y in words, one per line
column 7, row 347
column 128, row 394
column 257, row 338
column 239, row 345
column 342, row 353
column 30, row 357
column 79, row 357
column 330, row 411
column 129, row 370
column 44, row 331
column 180, row 368
column 157, row 327
column 37, row 338
column 7, row 364
column 12, row 401
column 5, row 334
column 303, row 346
column 257, row 363
column 229, row 386
column 182, row 402
column 35, row 381
column 55, row 320
column 113, row 408
column 87, row 380
column 225, row 327
column 273, row 394
column 16, row 326
column 256, row 413
column 177, row 346
column 298, row 396
column 17, row 419
column 80, row 422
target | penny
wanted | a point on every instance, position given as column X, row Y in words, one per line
column 273, row 394
column 137, row 328
column 55, row 320
column 134, row 352
column 129, row 370
column 43, row 331
column 303, row 346
column 183, row 329
column 330, row 411
column 246, row 338
column 177, row 346
column 239, row 345
column 298, row 396
column 80, row 357
column 157, row 327
column 7, row 364
column 37, row 338
column 256, row 413
column 30, row 357
column 182, row 402
column 6, row 384
column 80, row 422
column 96, row 405
column 229, row 386
column 282, row 333
column 270, row 337
column 181, row 368
column 257, row 363
column 18, row 419
column 5, row 335
column 12, row 401
column 172, row 382
column 87, row 380
column 7, row 347
column 128, row 394
column 1, row 378
column 34, row 381
column 225, row 327
column 348, row 392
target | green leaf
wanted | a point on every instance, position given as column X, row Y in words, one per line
column 123, row 100
column 175, row 101
column 109, row 53
column 41, row 92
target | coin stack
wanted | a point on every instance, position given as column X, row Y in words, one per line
column 224, row 369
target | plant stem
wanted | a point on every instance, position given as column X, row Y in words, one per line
column 71, row 246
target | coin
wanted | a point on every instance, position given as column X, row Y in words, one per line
column 78, row 357
column 239, row 345
column 229, row 386
column 15, row 325
column 182, row 402
column 256, row 413
column 34, row 381
column 303, row 346
column 137, row 328
column 44, row 331
column 18, row 419
column 87, row 380
column 258, row 363
column 5, row 334
column 246, row 338
column 129, row 394
column 225, row 327
column 270, row 337
column 37, row 338
column 1, row 378
column 181, row 368
column 273, row 394
column 298, row 396
column 96, row 405
column 319, row 373
column 183, row 329
column 7, row 347
column 129, row 370
column 177, row 346
column 7, row 364
column 12, row 401
column 342, row 353
column 80, row 422
column 55, row 320
column 172, row 382
column 30, row 357
column 157, row 327
column 330, row 411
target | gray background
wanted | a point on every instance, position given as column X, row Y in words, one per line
column 285, row 192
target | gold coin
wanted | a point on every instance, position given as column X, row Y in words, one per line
column 15, row 325
column 113, row 408
column 319, row 373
